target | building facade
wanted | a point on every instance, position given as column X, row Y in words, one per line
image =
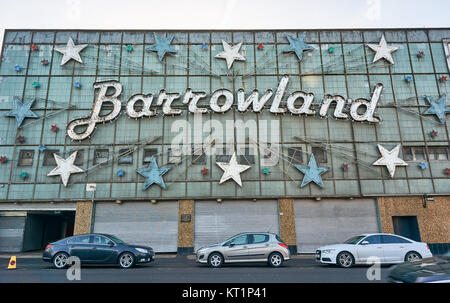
column 177, row 139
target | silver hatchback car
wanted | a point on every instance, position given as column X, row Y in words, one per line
column 245, row 247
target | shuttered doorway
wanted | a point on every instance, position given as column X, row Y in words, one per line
column 215, row 222
column 11, row 233
column 332, row 221
column 144, row 223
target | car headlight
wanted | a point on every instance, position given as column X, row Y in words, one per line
column 328, row 251
column 141, row 250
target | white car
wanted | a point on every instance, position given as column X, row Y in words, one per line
column 373, row 248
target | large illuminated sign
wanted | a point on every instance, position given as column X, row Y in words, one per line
column 221, row 101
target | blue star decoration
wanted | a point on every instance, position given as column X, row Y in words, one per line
column 438, row 107
column 297, row 45
column 153, row 174
column 312, row 172
column 21, row 111
column 162, row 46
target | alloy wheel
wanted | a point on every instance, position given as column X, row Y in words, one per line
column 412, row 257
column 126, row 260
column 275, row 260
column 215, row 260
column 345, row 259
column 60, row 260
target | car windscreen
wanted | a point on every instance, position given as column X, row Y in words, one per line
column 354, row 240
column 117, row 240
column 230, row 238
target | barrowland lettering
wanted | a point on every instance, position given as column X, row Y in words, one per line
column 166, row 100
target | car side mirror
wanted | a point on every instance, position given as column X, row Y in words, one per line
column 231, row 244
column 110, row 244
column 365, row 243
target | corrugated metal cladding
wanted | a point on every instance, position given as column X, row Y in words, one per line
column 215, row 222
column 154, row 225
column 11, row 233
column 332, row 221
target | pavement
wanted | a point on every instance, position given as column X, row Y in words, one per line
column 170, row 268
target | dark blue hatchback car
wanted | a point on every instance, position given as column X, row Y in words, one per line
column 97, row 249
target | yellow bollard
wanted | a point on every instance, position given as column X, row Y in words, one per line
column 12, row 263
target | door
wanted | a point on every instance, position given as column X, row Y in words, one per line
column 394, row 248
column 406, row 226
column 237, row 248
column 11, row 233
column 102, row 251
column 373, row 248
column 215, row 222
column 332, row 221
column 258, row 247
column 81, row 247
column 140, row 223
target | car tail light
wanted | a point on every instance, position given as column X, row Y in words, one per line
column 48, row 246
column 283, row 245
column 428, row 247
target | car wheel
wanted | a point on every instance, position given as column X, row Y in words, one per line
column 413, row 256
column 215, row 260
column 345, row 259
column 126, row 260
column 60, row 260
column 275, row 259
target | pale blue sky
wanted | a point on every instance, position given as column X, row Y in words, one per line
column 221, row 14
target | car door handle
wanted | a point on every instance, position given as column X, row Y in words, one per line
column 94, row 247
column 245, row 246
column 402, row 247
column 380, row 247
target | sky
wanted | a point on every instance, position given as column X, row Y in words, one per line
column 221, row 14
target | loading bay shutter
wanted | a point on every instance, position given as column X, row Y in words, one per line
column 319, row 223
column 11, row 233
column 215, row 222
column 154, row 225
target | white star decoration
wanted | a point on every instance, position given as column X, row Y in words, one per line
column 383, row 50
column 71, row 51
column 65, row 167
column 232, row 170
column 390, row 159
column 230, row 53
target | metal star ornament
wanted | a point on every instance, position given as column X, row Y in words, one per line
column 21, row 111
column 232, row 170
column 437, row 107
column 383, row 51
column 162, row 46
column 65, row 167
column 312, row 172
column 70, row 51
column 390, row 159
column 153, row 174
column 230, row 53
column 298, row 46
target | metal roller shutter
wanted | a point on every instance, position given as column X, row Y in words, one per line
column 214, row 222
column 11, row 233
column 324, row 222
column 154, row 225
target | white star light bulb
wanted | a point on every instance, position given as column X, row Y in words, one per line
column 70, row 51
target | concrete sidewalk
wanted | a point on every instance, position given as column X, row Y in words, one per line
column 22, row 255
column 38, row 255
column 299, row 256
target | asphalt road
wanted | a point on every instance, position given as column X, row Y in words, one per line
column 184, row 270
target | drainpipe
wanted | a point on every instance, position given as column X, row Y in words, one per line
column 92, row 213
